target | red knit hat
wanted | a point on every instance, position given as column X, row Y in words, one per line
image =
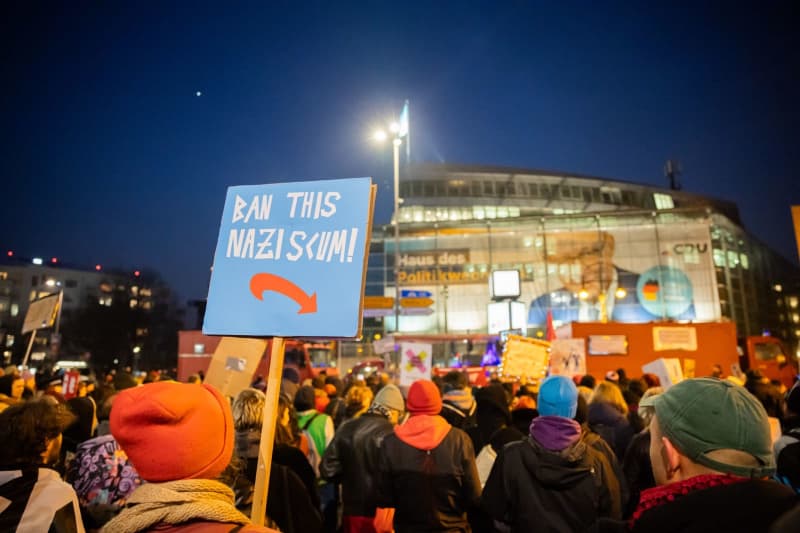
column 173, row 431
column 424, row 398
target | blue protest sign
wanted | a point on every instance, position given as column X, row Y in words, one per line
column 407, row 293
column 290, row 260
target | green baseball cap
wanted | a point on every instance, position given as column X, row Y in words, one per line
column 705, row 414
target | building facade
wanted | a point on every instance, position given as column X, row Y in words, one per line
column 25, row 279
column 586, row 249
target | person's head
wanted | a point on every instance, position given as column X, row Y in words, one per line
column 455, row 380
column 612, row 376
column 558, row 396
column 609, row 393
column 424, row 398
column 173, row 431
column 318, row 382
column 12, row 385
column 391, row 399
column 31, row 432
column 704, row 426
column 588, row 381
column 358, row 398
column 248, row 410
column 646, row 412
column 304, row 399
column 651, row 380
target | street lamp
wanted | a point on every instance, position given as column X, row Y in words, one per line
column 380, row 136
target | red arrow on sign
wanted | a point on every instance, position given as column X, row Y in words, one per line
column 270, row 282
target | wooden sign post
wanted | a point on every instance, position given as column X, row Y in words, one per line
column 259, row 508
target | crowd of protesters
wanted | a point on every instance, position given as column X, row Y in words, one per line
column 606, row 453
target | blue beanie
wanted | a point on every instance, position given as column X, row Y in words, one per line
column 558, row 396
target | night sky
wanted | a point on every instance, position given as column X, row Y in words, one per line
column 109, row 155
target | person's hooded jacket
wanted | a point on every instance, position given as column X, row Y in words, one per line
column 612, row 425
column 552, row 481
column 428, row 474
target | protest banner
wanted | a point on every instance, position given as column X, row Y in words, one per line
column 415, row 362
column 233, row 364
column 524, row 359
column 568, row 357
column 41, row 313
column 668, row 370
column 290, row 262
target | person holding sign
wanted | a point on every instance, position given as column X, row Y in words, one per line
column 179, row 438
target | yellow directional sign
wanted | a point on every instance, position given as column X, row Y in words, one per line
column 416, row 302
column 378, row 302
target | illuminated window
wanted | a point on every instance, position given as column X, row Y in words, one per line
column 795, row 318
column 199, row 348
column 719, row 257
column 491, row 211
column 3, row 276
column 145, row 293
column 502, row 212
column 745, row 262
column 14, row 309
column 733, row 259
column 663, row 201
column 134, row 303
column 9, row 341
column 793, row 302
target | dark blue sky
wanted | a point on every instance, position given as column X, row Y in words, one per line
column 108, row 156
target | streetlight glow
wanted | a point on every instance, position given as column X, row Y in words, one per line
column 621, row 293
column 394, row 127
column 583, row 294
column 379, row 136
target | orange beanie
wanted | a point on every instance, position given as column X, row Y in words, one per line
column 173, row 431
column 424, row 398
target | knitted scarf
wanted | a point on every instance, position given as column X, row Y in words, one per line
column 657, row 496
column 176, row 502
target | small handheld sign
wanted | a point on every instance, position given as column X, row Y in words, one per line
column 290, row 262
column 41, row 314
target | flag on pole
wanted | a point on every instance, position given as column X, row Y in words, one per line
column 551, row 331
column 403, row 121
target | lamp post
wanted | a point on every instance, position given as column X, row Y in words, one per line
column 399, row 130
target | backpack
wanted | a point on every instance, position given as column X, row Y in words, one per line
column 788, row 461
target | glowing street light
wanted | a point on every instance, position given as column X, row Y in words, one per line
column 620, row 293
column 379, row 136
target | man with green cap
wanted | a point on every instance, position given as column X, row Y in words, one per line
column 711, row 456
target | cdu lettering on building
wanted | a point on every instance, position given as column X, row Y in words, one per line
column 291, row 260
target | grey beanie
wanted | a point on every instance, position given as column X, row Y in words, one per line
column 391, row 397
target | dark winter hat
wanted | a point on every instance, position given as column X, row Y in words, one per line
column 424, row 398
column 706, row 414
column 304, row 399
column 558, row 396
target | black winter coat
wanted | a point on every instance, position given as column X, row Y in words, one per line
column 352, row 460
column 534, row 489
column 613, row 426
column 431, row 491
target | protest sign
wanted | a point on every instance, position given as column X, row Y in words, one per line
column 291, row 260
column 41, row 313
column 233, row 364
column 415, row 362
column 675, row 338
column 568, row 357
column 668, row 370
column 524, row 359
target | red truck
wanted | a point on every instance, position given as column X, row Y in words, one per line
column 308, row 358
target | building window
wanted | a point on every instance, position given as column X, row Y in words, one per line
column 3, row 276
column 14, row 309
column 199, row 348
column 719, row 257
column 745, row 262
column 488, row 187
column 733, row 259
column 663, row 201
column 793, row 302
column 70, row 284
column 34, row 281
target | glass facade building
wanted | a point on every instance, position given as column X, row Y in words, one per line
column 586, row 249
